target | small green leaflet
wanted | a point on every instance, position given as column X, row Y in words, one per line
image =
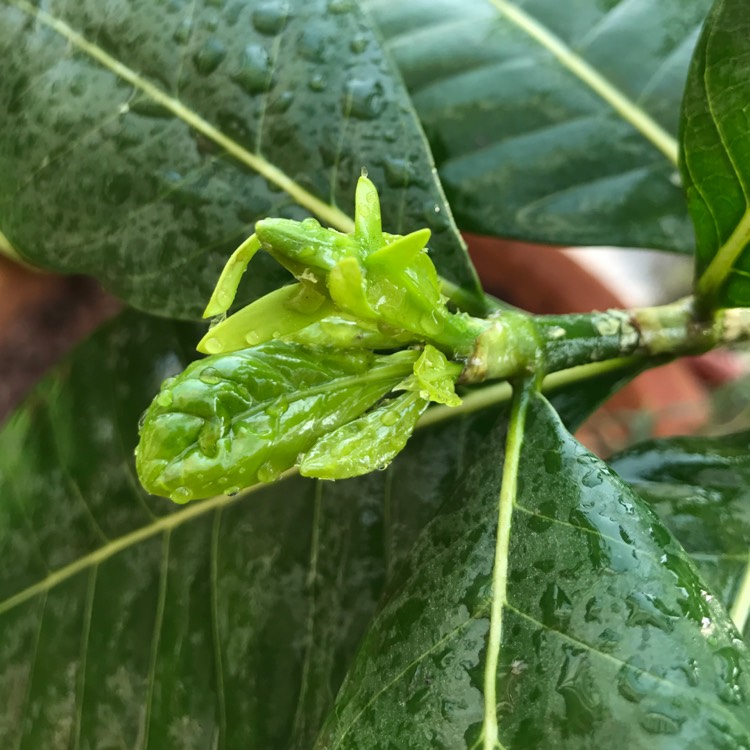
column 232, row 420
column 365, row 444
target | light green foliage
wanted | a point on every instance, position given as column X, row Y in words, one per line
column 434, row 377
column 232, row 420
column 382, row 280
column 365, row 444
column 298, row 366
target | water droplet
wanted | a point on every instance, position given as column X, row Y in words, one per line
column 165, row 398
column 556, row 607
column 398, row 172
column 210, row 56
column 117, row 188
column 363, row 98
column 592, row 479
column 254, row 74
column 310, row 223
column 317, row 82
column 313, row 43
column 729, row 689
column 210, row 376
column 576, row 684
column 655, row 722
column 233, row 490
column 363, row 172
column 389, row 418
column 358, row 44
column 183, row 31
column 281, row 103
column 214, row 346
column 270, row 18
column 645, row 609
column 268, row 472
column 253, row 338
column 181, row 495
column 208, row 438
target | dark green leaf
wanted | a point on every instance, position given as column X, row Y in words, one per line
column 700, row 487
column 552, row 121
column 610, row 638
column 142, row 145
column 715, row 154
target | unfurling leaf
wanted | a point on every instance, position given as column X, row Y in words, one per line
column 382, row 280
column 230, row 421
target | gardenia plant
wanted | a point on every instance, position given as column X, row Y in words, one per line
column 474, row 577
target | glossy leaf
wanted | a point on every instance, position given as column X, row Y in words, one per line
column 129, row 620
column 699, row 488
column 141, row 144
column 715, row 156
column 552, row 122
column 232, row 420
column 365, row 444
column 609, row 634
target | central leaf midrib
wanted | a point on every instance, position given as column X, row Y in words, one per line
column 330, row 214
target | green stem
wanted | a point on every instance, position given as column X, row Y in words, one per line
column 713, row 278
column 511, row 345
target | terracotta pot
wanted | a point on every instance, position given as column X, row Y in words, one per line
column 42, row 316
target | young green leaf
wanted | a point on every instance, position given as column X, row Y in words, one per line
column 715, row 156
column 607, row 629
column 230, row 421
column 434, row 377
column 698, row 487
column 365, row 444
column 392, row 284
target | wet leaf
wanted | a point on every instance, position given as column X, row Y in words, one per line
column 553, row 122
column 607, row 629
column 715, row 155
column 699, row 488
column 142, row 145
column 232, row 420
column 365, row 444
